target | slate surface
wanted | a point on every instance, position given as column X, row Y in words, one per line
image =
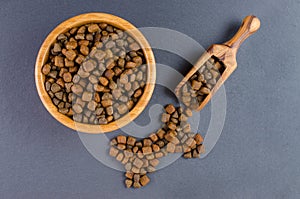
column 257, row 155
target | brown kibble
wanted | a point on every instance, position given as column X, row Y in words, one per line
column 102, row 120
column 138, row 60
column 128, row 183
column 175, row 115
column 159, row 155
column 79, row 59
column 84, row 50
column 122, row 109
column 144, row 180
column 123, row 79
column 130, row 64
column 120, row 157
column 195, row 154
column 93, row 28
column 89, row 37
column 92, row 105
column 205, row 90
column 131, row 141
column 77, row 108
column 81, row 30
column 160, row 133
column 121, row 147
column 69, row 63
column 171, row 138
column 134, row 46
column 170, row 147
column 99, row 88
column 113, row 151
column 218, row 65
column 147, row 150
column 151, row 169
column 59, row 95
column 172, row 126
column 135, row 149
column 190, row 142
column 55, row 88
column 136, row 177
column 147, row 142
column 109, row 74
column 77, row 89
column 136, row 185
column 121, row 139
column 155, row 148
column 138, row 163
column 129, row 175
column 46, row 69
column 138, row 93
column 187, row 155
column 113, row 142
column 215, row 74
column 63, row 110
column 106, row 103
column 154, row 162
column 128, row 153
column 153, row 137
column 188, row 112
column 71, row 45
column 165, row 117
column 56, row 48
column 183, row 118
column 170, row 109
column 134, row 169
column 140, row 154
column 100, row 55
column 150, row 157
column 187, row 128
column 87, row 96
column 70, row 54
column 178, row 149
column 103, row 81
column 196, row 85
column 61, row 37
column 198, row 138
column 59, row 61
column 67, row 77
column 145, row 163
column 201, row 149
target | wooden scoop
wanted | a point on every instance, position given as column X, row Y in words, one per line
column 224, row 53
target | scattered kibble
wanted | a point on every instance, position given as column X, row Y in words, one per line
column 141, row 157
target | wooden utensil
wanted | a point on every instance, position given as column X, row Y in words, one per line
column 224, row 53
column 86, row 19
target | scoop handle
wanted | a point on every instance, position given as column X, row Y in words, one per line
column 249, row 26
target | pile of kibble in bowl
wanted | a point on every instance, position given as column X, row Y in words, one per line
column 95, row 73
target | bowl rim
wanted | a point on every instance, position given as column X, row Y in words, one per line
column 86, row 19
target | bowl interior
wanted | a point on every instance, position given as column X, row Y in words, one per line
column 78, row 21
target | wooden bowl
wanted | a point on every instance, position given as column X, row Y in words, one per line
column 78, row 21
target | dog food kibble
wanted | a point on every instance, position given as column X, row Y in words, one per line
column 140, row 157
column 201, row 83
column 95, row 73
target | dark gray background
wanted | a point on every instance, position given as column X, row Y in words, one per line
column 257, row 155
